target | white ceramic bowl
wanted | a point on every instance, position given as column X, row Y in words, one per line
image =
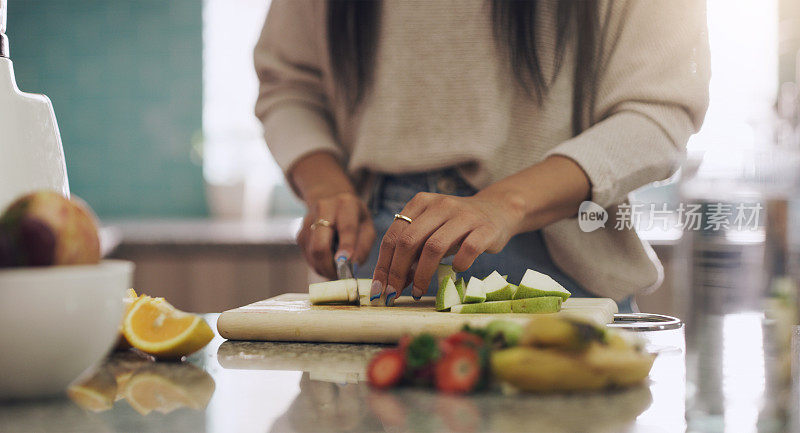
column 56, row 322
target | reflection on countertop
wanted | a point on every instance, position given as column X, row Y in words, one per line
column 146, row 385
column 299, row 387
column 340, row 407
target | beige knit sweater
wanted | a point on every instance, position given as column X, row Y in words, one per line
column 443, row 96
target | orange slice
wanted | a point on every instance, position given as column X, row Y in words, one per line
column 154, row 326
column 130, row 299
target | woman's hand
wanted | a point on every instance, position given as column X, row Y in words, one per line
column 441, row 225
column 350, row 220
column 468, row 226
column 330, row 196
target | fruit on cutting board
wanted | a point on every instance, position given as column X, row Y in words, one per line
column 535, row 284
column 490, row 307
column 443, row 271
column 334, row 291
column 497, row 288
column 545, row 304
column 154, row 326
column 364, row 286
column 461, row 288
column 567, row 354
column 447, row 295
column 475, row 292
column 44, row 228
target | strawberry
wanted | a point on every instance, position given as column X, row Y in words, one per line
column 403, row 343
column 386, row 368
column 459, row 371
column 465, row 338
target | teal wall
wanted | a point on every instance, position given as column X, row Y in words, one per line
column 125, row 78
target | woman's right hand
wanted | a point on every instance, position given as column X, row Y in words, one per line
column 330, row 196
column 350, row 220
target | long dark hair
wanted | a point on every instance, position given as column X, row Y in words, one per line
column 353, row 26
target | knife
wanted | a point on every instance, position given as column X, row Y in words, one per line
column 344, row 271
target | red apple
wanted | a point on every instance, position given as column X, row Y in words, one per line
column 45, row 228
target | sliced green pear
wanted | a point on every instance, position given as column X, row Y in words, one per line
column 497, row 288
column 460, row 286
column 330, row 291
column 444, row 271
column 543, row 304
column 535, row 284
column 447, row 295
column 495, row 307
column 364, row 287
column 352, row 289
column 475, row 292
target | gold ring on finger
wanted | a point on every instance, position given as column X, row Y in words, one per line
column 321, row 223
column 398, row 216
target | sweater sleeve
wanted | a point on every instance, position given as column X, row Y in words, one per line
column 292, row 104
column 651, row 95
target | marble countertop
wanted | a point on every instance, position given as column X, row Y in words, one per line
column 276, row 231
column 199, row 234
column 297, row 387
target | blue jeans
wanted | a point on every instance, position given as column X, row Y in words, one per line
column 526, row 250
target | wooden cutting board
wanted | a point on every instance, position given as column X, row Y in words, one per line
column 291, row 317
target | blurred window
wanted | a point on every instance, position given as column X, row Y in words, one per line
column 743, row 35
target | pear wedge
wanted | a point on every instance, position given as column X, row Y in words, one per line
column 475, row 292
column 535, row 284
column 447, row 295
column 497, row 288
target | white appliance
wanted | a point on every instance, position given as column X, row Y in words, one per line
column 31, row 156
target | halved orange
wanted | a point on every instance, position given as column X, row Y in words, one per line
column 154, row 326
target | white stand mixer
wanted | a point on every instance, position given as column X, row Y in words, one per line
column 31, row 156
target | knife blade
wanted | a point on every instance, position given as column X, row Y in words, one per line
column 344, row 271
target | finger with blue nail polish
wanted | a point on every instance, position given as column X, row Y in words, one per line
column 391, row 295
column 416, row 293
column 375, row 292
column 341, row 256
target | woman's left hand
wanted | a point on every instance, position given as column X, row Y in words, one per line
column 441, row 225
